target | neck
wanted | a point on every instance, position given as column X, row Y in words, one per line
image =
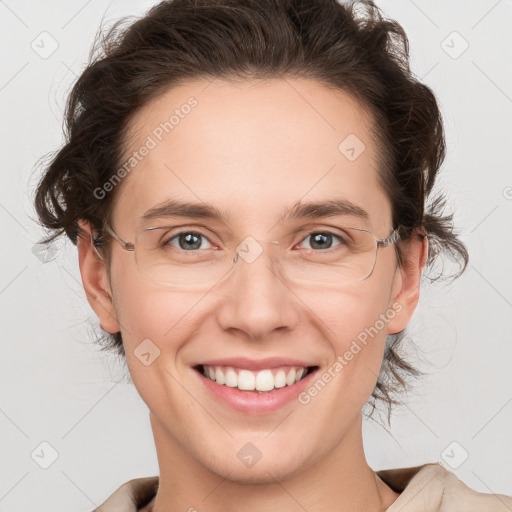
column 342, row 481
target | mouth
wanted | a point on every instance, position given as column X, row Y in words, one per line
column 267, row 380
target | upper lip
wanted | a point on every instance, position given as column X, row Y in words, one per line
column 255, row 364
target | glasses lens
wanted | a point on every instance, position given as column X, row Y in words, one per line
column 350, row 257
column 183, row 260
column 187, row 260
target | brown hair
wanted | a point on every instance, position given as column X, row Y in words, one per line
column 348, row 47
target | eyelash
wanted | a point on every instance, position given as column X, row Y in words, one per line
column 195, row 233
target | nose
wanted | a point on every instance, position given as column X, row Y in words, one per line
column 258, row 301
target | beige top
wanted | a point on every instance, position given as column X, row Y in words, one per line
column 426, row 488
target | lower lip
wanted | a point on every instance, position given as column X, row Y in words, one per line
column 254, row 401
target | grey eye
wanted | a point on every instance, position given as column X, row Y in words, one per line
column 321, row 240
column 187, row 241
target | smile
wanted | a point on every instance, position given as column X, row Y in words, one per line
column 263, row 380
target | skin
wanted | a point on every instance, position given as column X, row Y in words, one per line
column 254, row 148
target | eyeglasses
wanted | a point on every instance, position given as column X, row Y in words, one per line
column 192, row 259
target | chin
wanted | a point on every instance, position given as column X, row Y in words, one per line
column 267, row 470
column 264, row 475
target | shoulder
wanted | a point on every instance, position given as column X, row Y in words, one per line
column 130, row 496
column 457, row 492
column 431, row 488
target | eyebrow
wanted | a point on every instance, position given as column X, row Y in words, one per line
column 299, row 210
column 329, row 208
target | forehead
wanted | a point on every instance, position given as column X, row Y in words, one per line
column 251, row 148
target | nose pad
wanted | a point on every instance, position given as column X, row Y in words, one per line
column 250, row 249
column 247, row 252
column 260, row 287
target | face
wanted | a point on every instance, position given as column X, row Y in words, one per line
column 252, row 150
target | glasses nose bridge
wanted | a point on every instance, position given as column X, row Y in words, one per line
column 251, row 249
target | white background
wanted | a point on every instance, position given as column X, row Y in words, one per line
column 58, row 388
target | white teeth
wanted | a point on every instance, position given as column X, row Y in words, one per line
column 280, row 379
column 231, row 379
column 299, row 375
column 265, row 381
column 290, row 378
column 246, row 380
column 219, row 376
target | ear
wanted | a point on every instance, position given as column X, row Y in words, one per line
column 406, row 284
column 96, row 282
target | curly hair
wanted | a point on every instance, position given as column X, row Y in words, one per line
column 350, row 47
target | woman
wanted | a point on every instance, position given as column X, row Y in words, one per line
column 247, row 185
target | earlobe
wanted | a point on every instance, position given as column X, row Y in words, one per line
column 407, row 282
column 96, row 282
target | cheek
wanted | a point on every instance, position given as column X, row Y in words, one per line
column 146, row 310
column 356, row 319
column 349, row 313
column 155, row 326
